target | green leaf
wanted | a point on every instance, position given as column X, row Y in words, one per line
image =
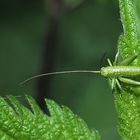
column 128, row 102
column 128, row 107
column 20, row 123
column 128, row 42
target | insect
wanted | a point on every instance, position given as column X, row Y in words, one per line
column 118, row 74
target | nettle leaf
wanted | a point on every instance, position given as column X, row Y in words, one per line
column 137, row 11
column 20, row 123
column 128, row 42
column 128, row 102
column 128, row 109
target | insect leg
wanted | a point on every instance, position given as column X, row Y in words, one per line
column 109, row 62
column 113, row 81
column 118, row 84
column 129, row 81
column 128, row 60
column 116, row 57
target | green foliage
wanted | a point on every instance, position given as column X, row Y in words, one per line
column 128, row 103
column 128, row 108
column 19, row 123
column 129, row 40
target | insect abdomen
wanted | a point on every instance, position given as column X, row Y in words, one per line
column 116, row 71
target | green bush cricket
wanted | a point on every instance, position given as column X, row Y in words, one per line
column 118, row 73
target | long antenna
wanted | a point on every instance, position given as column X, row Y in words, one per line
column 58, row 72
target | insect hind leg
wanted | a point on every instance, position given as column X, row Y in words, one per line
column 129, row 81
column 128, row 60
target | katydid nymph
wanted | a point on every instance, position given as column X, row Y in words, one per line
column 121, row 73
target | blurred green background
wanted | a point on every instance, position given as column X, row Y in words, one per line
column 57, row 35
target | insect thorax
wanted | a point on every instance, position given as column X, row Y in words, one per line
column 116, row 71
